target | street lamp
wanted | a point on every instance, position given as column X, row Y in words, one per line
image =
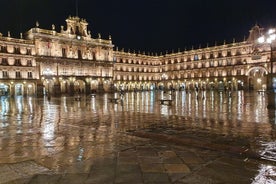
column 269, row 39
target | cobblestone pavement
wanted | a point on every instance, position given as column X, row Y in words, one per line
column 137, row 140
column 146, row 162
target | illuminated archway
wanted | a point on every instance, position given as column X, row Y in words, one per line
column 257, row 78
column 79, row 86
column 4, row 89
column 18, row 89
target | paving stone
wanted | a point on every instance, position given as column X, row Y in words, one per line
column 127, row 160
column 97, row 176
column 166, row 154
column 73, row 178
column 175, row 177
column 150, row 159
column 130, row 177
column 197, row 179
column 156, row 178
column 45, row 179
column 13, row 172
column 177, row 168
column 152, row 167
column 172, row 160
column 128, row 169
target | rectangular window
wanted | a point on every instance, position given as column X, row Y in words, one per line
column 29, row 63
column 3, row 48
column 29, row 51
column 229, row 73
column 17, row 50
column 17, row 74
column 5, row 74
column 64, row 71
column 229, row 62
column 5, row 61
column 196, row 57
column 79, row 54
column 17, row 62
column 30, row 75
column 64, row 52
column 211, row 63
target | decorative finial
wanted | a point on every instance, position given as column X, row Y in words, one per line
column 110, row 37
column 207, row 45
column 9, row 34
column 21, row 36
column 53, row 27
column 99, row 35
column 37, row 24
column 224, row 42
column 234, row 40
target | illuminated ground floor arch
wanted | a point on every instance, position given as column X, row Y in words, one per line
column 254, row 78
column 74, row 85
column 18, row 88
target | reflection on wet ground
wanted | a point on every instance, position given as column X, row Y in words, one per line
column 60, row 132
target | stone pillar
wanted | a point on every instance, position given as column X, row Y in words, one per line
column 57, row 89
column 39, row 89
column 100, row 86
column 88, row 88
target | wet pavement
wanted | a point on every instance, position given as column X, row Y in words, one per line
column 208, row 137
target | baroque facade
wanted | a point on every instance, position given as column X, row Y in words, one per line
column 70, row 61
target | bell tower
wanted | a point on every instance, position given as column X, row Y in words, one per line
column 77, row 26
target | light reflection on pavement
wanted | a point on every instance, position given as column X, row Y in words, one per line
column 62, row 131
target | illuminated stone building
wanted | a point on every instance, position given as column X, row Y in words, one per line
column 235, row 66
column 48, row 61
column 70, row 61
column 18, row 74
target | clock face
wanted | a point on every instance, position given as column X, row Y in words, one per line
column 78, row 37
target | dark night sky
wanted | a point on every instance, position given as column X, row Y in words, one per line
column 146, row 25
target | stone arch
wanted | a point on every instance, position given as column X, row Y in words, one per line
column 257, row 78
column 4, row 89
column 79, row 86
column 258, row 68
